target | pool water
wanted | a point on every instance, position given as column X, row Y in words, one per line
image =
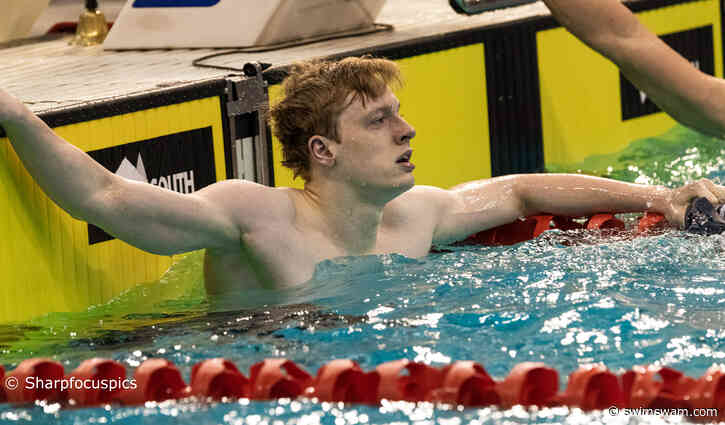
column 622, row 302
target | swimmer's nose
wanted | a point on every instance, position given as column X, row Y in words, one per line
column 408, row 133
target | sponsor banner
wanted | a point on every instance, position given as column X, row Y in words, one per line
column 696, row 45
column 182, row 162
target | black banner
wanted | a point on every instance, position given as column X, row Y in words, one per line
column 182, row 162
column 696, row 45
column 514, row 103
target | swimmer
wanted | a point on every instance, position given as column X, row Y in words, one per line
column 342, row 132
column 690, row 96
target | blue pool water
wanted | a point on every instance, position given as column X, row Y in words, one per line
column 622, row 302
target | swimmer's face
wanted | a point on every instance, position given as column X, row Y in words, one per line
column 373, row 139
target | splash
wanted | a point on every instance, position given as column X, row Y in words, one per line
column 672, row 159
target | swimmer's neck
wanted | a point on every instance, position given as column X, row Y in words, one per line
column 348, row 216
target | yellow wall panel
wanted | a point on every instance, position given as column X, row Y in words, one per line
column 5, row 248
column 580, row 99
column 444, row 98
column 283, row 176
column 46, row 263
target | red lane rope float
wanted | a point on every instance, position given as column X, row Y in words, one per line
column 591, row 387
column 278, row 378
column 96, row 369
column 651, row 222
column 344, row 380
column 531, row 227
column 466, row 383
column 3, row 398
column 529, row 384
column 406, row 380
column 157, row 380
column 218, row 378
column 659, row 387
column 40, row 368
column 604, row 221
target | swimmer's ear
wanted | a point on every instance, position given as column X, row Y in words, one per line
column 322, row 150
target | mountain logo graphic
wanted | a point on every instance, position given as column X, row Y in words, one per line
column 182, row 182
column 131, row 172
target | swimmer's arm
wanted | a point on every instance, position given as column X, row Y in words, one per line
column 692, row 97
column 153, row 219
column 472, row 207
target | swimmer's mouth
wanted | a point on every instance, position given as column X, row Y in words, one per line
column 404, row 158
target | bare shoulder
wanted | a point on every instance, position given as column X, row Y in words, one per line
column 427, row 194
column 421, row 200
column 250, row 203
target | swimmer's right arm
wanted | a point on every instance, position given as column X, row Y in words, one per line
column 692, row 97
column 146, row 216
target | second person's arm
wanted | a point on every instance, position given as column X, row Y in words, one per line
column 690, row 96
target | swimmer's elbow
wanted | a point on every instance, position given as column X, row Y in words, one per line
column 704, row 112
column 95, row 206
column 521, row 201
column 715, row 107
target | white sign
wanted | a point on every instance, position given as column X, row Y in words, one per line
column 154, row 24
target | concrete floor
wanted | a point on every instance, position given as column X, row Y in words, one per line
column 48, row 73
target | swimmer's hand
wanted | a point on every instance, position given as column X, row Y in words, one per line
column 679, row 199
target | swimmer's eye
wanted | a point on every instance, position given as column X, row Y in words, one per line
column 378, row 120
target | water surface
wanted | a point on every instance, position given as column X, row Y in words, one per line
column 620, row 301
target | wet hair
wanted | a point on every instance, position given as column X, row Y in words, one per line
column 315, row 94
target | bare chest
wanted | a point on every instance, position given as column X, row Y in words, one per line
column 286, row 256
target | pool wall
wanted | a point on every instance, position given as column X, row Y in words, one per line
column 486, row 101
column 53, row 262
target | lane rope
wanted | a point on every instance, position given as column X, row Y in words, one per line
column 465, row 383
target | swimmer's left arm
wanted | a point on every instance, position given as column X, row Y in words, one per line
column 475, row 206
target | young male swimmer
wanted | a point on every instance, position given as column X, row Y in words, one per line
column 342, row 132
column 690, row 96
